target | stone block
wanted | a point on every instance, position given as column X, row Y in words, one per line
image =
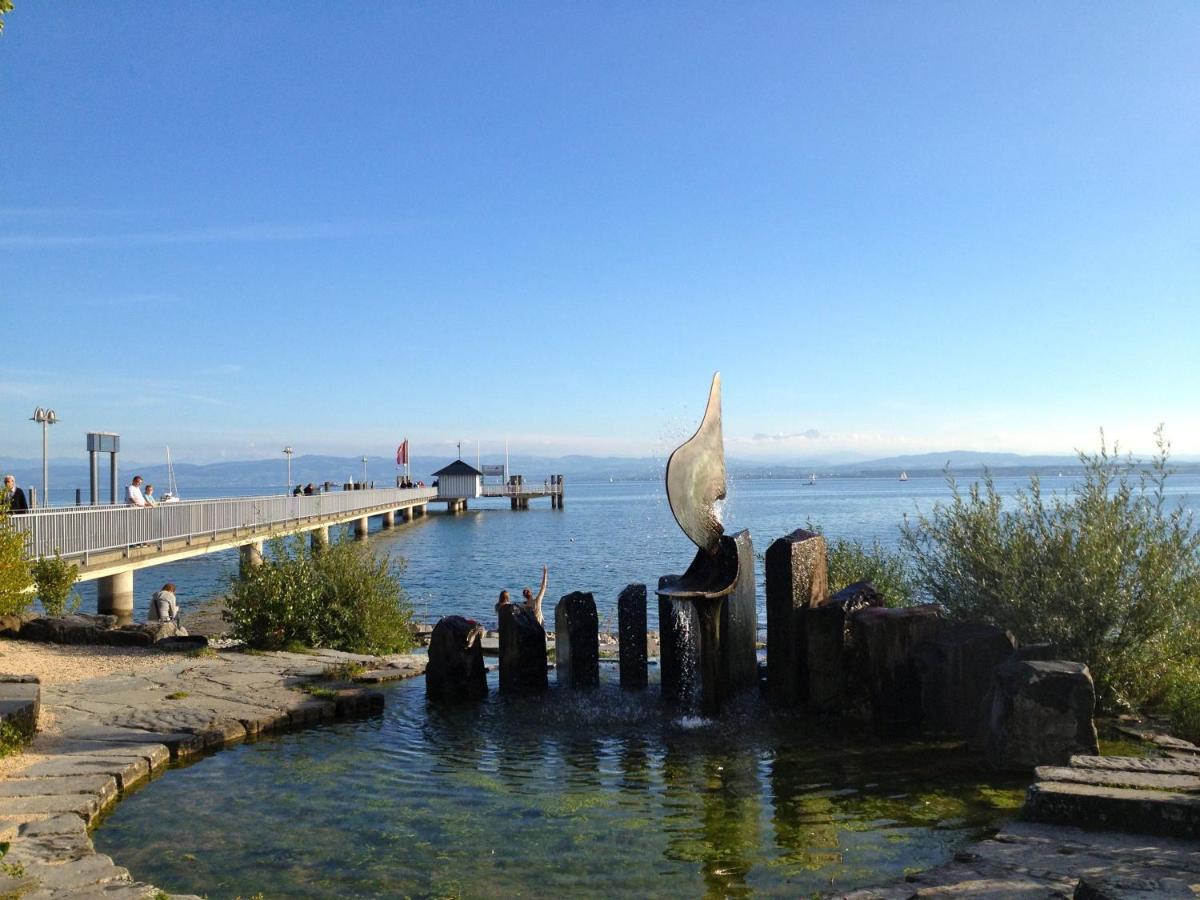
column 456, row 671
column 739, row 624
column 797, row 581
column 631, row 634
column 1040, row 714
column 20, row 701
column 577, row 641
column 522, row 651
column 827, row 633
column 883, row 640
column 954, row 671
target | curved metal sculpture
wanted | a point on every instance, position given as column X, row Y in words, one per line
column 696, row 477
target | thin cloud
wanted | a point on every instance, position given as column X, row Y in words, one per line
column 220, row 234
column 810, row 435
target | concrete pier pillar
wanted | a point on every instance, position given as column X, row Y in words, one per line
column 512, row 503
column 319, row 537
column 250, row 556
column 408, row 514
column 389, row 519
column 362, row 527
column 114, row 596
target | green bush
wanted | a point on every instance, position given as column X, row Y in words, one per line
column 1182, row 701
column 14, row 570
column 851, row 561
column 342, row 597
column 1108, row 573
column 54, row 581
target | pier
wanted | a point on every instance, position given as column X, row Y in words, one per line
column 110, row 543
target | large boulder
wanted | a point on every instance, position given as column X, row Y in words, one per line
column 954, row 670
column 522, row 651
column 797, row 581
column 631, row 634
column 827, row 657
column 455, row 670
column 70, row 629
column 577, row 641
column 883, row 673
column 1040, row 714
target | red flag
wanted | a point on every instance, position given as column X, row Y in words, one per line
column 402, row 454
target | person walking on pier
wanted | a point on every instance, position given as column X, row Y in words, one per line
column 13, row 496
column 535, row 603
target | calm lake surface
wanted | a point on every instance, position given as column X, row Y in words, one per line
column 607, row 536
column 597, row 794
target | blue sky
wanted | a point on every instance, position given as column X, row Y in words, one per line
column 892, row 227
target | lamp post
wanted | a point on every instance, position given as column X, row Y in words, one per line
column 364, row 462
column 288, row 451
column 47, row 418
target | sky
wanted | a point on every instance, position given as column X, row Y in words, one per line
column 893, row 227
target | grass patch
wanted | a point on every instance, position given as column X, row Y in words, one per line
column 343, row 671
column 320, row 692
column 202, row 653
column 177, row 695
column 13, row 738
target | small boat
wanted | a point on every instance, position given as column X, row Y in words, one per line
column 904, row 476
column 812, row 479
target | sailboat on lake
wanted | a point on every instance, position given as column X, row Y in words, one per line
column 172, row 494
column 903, row 476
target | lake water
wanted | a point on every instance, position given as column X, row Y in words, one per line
column 607, row 536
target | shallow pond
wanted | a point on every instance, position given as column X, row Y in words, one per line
column 599, row 794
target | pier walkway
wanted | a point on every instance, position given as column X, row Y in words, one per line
column 109, row 543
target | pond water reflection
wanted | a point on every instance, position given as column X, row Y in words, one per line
column 594, row 794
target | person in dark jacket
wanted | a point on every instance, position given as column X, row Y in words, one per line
column 13, row 496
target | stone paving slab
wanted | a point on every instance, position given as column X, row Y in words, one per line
column 1156, row 781
column 116, row 730
column 1139, row 764
column 1032, row 860
column 1149, row 812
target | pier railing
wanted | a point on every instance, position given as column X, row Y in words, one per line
column 82, row 530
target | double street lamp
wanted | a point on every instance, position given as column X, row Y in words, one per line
column 288, row 451
column 46, row 417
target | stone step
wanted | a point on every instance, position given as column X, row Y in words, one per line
column 1138, row 764
column 1150, row 781
column 20, row 701
column 1118, row 809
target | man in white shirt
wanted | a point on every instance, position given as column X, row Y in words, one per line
column 133, row 493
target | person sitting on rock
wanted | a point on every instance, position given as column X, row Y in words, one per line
column 503, row 601
column 163, row 605
column 535, row 603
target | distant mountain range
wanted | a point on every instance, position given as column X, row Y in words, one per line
column 262, row 473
